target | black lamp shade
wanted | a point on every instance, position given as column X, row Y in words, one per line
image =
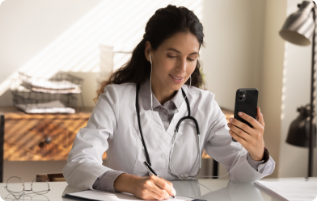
column 298, row 134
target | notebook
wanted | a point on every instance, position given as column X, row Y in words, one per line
column 290, row 190
column 101, row 196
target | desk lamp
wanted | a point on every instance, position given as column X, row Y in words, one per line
column 299, row 28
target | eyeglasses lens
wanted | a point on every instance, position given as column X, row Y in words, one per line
column 15, row 185
column 40, row 186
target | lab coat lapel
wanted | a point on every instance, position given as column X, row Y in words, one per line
column 152, row 129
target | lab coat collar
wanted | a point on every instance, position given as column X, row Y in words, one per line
column 177, row 100
column 149, row 117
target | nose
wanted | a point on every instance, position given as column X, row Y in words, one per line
column 182, row 65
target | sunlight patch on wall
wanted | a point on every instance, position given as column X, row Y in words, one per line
column 284, row 81
column 115, row 23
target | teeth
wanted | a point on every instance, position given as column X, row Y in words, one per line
column 176, row 78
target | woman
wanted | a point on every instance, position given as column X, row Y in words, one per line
column 151, row 93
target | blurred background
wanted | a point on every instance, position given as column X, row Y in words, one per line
column 243, row 49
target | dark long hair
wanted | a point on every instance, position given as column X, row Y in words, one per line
column 162, row 25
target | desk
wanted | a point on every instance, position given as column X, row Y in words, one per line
column 219, row 189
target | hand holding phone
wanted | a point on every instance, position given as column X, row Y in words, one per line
column 246, row 101
column 248, row 127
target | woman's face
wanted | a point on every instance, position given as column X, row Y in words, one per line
column 173, row 61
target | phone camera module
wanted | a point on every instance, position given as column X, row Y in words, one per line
column 242, row 95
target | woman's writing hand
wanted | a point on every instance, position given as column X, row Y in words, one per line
column 250, row 138
column 146, row 188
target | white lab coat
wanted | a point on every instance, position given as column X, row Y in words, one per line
column 113, row 127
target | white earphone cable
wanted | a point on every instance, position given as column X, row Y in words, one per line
column 151, row 83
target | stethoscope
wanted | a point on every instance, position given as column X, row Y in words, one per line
column 172, row 171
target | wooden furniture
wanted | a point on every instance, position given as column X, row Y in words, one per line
column 35, row 137
column 38, row 137
column 41, row 137
column 52, row 177
column 1, row 145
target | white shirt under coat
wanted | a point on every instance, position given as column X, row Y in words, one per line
column 113, row 127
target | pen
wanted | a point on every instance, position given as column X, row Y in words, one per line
column 151, row 171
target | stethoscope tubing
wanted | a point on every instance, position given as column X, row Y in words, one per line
column 176, row 131
column 139, row 122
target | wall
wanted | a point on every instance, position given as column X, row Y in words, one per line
column 29, row 33
column 232, row 57
column 233, row 53
column 296, row 93
column 271, row 76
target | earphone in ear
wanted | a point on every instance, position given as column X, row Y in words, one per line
column 150, row 59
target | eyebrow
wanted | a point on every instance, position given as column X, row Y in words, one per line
column 180, row 52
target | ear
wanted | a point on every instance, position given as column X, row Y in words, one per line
column 147, row 50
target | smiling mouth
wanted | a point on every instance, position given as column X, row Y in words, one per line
column 177, row 78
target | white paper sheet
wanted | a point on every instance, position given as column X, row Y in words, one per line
column 49, row 107
column 49, row 84
column 290, row 190
column 101, row 196
column 53, row 91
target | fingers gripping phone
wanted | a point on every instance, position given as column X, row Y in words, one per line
column 246, row 101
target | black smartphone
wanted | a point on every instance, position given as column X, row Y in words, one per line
column 246, row 101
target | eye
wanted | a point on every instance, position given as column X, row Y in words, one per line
column 171, row 56
column 191, row 59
